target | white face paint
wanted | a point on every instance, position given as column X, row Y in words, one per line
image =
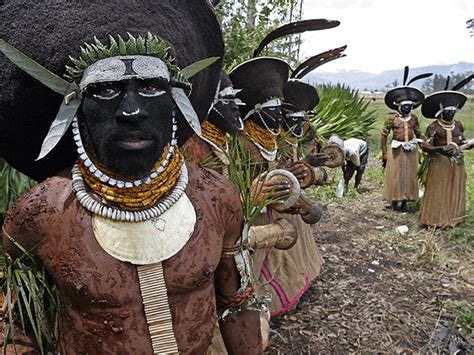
column 124, row 67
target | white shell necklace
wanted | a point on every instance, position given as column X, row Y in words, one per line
column 101, row 209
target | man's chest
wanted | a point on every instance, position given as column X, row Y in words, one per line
column 89, row 275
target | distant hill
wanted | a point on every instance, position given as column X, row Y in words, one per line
column 368, row 81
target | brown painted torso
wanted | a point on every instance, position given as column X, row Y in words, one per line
column 398, row 127
column 439, row 135
column 101, row 306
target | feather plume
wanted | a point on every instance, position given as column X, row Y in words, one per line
column 419, row 77
column 463, row 82
column 405, row 75
column 294, row 28
column 316, row 61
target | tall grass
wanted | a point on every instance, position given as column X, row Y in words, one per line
column 13, row 184
column 30, row 297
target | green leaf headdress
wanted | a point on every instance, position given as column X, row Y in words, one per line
column 135, row 58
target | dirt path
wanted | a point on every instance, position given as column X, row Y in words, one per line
column 380, row 291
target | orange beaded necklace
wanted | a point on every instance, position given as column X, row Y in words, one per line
column 215, row 135
column 260, row 136
column 137, row 197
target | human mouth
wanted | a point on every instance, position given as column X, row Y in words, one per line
column 133, row 141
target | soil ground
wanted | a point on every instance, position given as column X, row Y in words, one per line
column 380, row 291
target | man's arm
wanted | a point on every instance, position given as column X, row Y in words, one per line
column 240, row 320
column 383, row 139
column 417, row 130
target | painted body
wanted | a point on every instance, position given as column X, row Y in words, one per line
column 101, row 307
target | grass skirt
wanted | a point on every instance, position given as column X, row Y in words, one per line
column 401, row 180
column 444, row 201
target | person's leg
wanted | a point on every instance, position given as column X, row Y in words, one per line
column 404, row 206
column 395, row 206
column 348, row 170
column 364, row 158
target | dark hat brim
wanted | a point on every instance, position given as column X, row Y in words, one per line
column 433, row 102
column 301, row 96
column 51, row 30
column 260, row 79
column 403, row 93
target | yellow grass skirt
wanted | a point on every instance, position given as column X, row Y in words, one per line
column 444, row 201
column 401, row 180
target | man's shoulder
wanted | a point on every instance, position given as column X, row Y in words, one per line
column 25, row 218
column 41, row 197
column 210, row 182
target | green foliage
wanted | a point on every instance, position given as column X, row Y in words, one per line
column 31, row 300
column 13, row 184
column 246, row 22
column 341, row 111
column 242, row 172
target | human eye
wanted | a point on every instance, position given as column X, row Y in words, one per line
column 151, row 90
column 104, row 92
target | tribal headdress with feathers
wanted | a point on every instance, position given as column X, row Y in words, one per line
column 406, row 93
column 452, row 99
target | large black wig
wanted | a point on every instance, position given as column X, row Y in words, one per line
column 52, row 30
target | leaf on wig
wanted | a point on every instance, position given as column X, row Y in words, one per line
column 196, row 67
column 35, row 70
column 61, row 123
column 187, row 109
column 295, row 28
column 419, row 77
column 463, row 83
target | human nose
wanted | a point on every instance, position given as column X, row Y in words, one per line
column 130, row 109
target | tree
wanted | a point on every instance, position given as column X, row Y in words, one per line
column 246, row 22
column 438, row 83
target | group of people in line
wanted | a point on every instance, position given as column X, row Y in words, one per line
column 443, row 172
column 124, row 115
column 171, row 212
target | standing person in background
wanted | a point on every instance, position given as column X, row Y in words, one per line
column 401, row 158
column 444, row 201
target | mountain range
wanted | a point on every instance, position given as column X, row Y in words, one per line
column 365, row 81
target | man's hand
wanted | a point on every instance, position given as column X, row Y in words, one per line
column 449, row 150
column 300, row 171
column 384, row 160
column 272, row 189
column 317, row 159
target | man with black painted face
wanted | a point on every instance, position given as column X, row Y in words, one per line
column 400, row 159
column 211, row 149
column 444, row 200
column 135, row 239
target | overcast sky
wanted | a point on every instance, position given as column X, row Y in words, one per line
column 389, row 34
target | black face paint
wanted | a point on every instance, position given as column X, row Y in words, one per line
column 405, row 109
column 270, row 117
column 448, row 115
column 126, row 125
column 226, row 116
column 293, row 124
